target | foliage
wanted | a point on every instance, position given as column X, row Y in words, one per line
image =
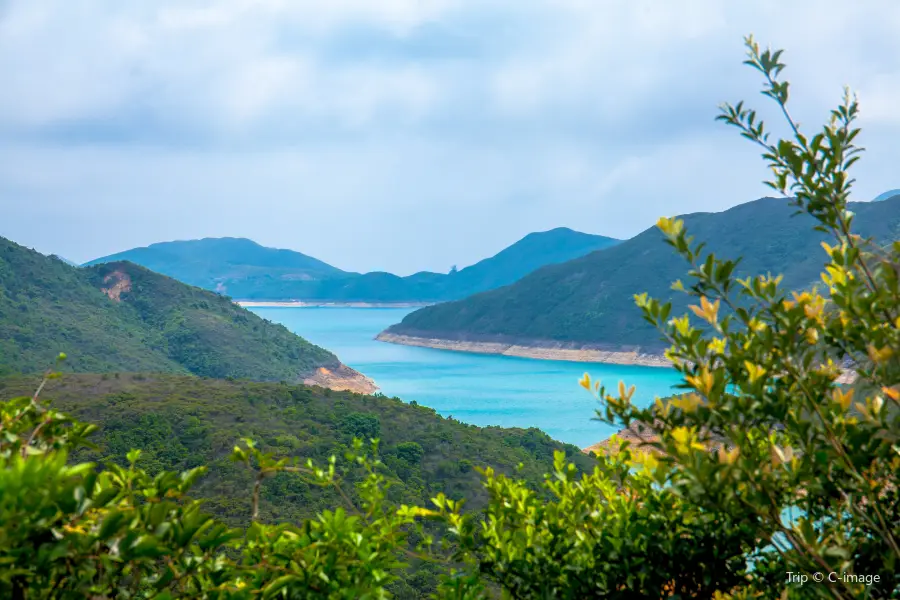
column 71, row 531
column 159, row 324
column 812, row 464
column 246, row 270
column 588, row 301
column 127, row 532
column 612, row 533
column 361, row 425
column 182, row 422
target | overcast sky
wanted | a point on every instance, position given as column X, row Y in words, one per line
column 405, row 135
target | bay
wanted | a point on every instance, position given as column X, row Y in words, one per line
column 480, row 389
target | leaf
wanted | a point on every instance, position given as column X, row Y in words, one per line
column 585, row 382
column 271, row 590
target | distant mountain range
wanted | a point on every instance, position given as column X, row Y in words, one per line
column 119, row 316
column 245, row 270
column 588, row 302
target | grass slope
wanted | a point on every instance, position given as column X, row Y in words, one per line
column 157, row 324
column 589, row 301
column 245, row 270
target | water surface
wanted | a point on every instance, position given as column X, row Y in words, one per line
column 481, row 389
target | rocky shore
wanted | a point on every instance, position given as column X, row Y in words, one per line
column 342, row 379
column 544, row 352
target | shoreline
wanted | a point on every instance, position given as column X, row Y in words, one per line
column 539, row 352
column 326, row 304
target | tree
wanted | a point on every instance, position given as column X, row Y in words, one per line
column 812, row 464
column 361, row 425
column 411, row 452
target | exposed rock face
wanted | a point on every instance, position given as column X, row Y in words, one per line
column 341, row 379
column 120, row 283
column 529, row 351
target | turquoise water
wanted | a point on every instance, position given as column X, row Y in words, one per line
column 475, row 388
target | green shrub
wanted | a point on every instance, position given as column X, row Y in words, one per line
column 361, row 425
column 411, row 452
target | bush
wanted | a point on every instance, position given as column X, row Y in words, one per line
column 361, row 425
column 411, row 452
column 765, row 431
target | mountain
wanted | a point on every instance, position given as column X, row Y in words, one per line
column 886, row 195
column 243, row 269
column 532, row 252
column 119, row 316
column 220, row 264
column 181, row 422
column 588, row 302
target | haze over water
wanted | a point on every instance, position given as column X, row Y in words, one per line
column 474, row 388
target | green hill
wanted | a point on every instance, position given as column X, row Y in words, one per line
column 181, row 422
column 122, row 317
column 243, row 269
column 588, row 302
column 221, row 264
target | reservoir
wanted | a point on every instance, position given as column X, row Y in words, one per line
column 480, row 389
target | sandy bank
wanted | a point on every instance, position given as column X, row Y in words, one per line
column 526, row 351
column 342, row 379
column 301, row 304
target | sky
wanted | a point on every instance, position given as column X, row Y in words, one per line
column 407, row 135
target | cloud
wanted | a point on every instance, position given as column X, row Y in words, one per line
column 358, row 131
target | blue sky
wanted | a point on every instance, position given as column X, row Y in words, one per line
column 405, row 135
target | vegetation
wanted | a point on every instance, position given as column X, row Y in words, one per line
column 151, row 323
column 246, row 270
column 800, row 500
column 182, row 423
column 811, row 465
column 589, row 301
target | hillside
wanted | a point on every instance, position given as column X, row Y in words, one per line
column 122, row 317
column 248, row 271
column 182, row 422
column 588, row 303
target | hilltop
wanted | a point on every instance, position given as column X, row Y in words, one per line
column 225, row 264
column 245, row 270
column 584, row 309
column 886, row 195
column 119, row 316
